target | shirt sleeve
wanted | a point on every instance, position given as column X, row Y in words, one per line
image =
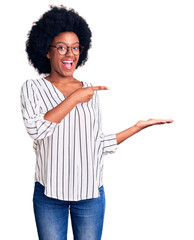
column 108, row 141
column 36, row 126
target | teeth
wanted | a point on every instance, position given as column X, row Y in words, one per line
column 67, row 61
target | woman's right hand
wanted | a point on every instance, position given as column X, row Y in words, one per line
column 85, row 94
column 79, row 96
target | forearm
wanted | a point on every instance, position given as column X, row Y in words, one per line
column 59, row 112
column 122, row 136
column 79, row 96
column 140, row 125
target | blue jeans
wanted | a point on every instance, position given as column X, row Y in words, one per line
column 51, row 216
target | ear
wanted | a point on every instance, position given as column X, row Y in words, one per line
column 48, row 55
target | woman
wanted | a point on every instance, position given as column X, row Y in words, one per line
column 63, row 117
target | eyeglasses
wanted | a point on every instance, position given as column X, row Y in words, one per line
column 63, row 48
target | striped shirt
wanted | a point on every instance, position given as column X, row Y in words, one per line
column 69, row 154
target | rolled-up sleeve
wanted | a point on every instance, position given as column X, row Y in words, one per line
column 108, row 141
column 36, row 126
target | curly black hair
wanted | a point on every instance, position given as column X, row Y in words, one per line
column 52, row 23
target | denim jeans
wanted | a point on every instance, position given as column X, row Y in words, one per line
column 51, row 216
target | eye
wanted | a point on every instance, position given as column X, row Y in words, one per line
column 61, row 47
column 75, row 48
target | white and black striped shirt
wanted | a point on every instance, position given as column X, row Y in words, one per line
column 69, row 154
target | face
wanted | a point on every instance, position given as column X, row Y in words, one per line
column 63, row 65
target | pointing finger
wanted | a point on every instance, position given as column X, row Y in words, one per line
column 97, row 88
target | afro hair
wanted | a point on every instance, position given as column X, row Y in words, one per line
column 52, row 23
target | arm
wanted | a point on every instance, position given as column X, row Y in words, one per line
column 39, row 125
column 140, row 125
column 81, row 95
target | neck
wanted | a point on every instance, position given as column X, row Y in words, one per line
column 60, row 79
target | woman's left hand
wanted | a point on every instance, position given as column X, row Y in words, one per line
column 140, row 125
column 150, row 122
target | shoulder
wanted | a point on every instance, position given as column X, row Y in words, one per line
column 32, row 83
column 30, row 86
column 29, row 82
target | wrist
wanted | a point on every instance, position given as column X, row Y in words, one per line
column 73, row 98
column 138, row 126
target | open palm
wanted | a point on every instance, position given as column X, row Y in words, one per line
column 150, row 122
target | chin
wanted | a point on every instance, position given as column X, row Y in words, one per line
column 68, row 74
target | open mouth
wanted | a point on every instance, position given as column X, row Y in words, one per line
column 68, row 64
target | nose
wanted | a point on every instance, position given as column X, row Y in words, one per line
column 69, row 52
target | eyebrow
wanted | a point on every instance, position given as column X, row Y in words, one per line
column 67, row 44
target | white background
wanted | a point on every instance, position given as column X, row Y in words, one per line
column 144, row 51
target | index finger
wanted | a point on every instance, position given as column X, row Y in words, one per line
column 97, row 88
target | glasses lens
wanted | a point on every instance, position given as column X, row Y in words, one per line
column 62, row 49
column 76, row 49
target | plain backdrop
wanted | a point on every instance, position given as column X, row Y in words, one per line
column 144, row 51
